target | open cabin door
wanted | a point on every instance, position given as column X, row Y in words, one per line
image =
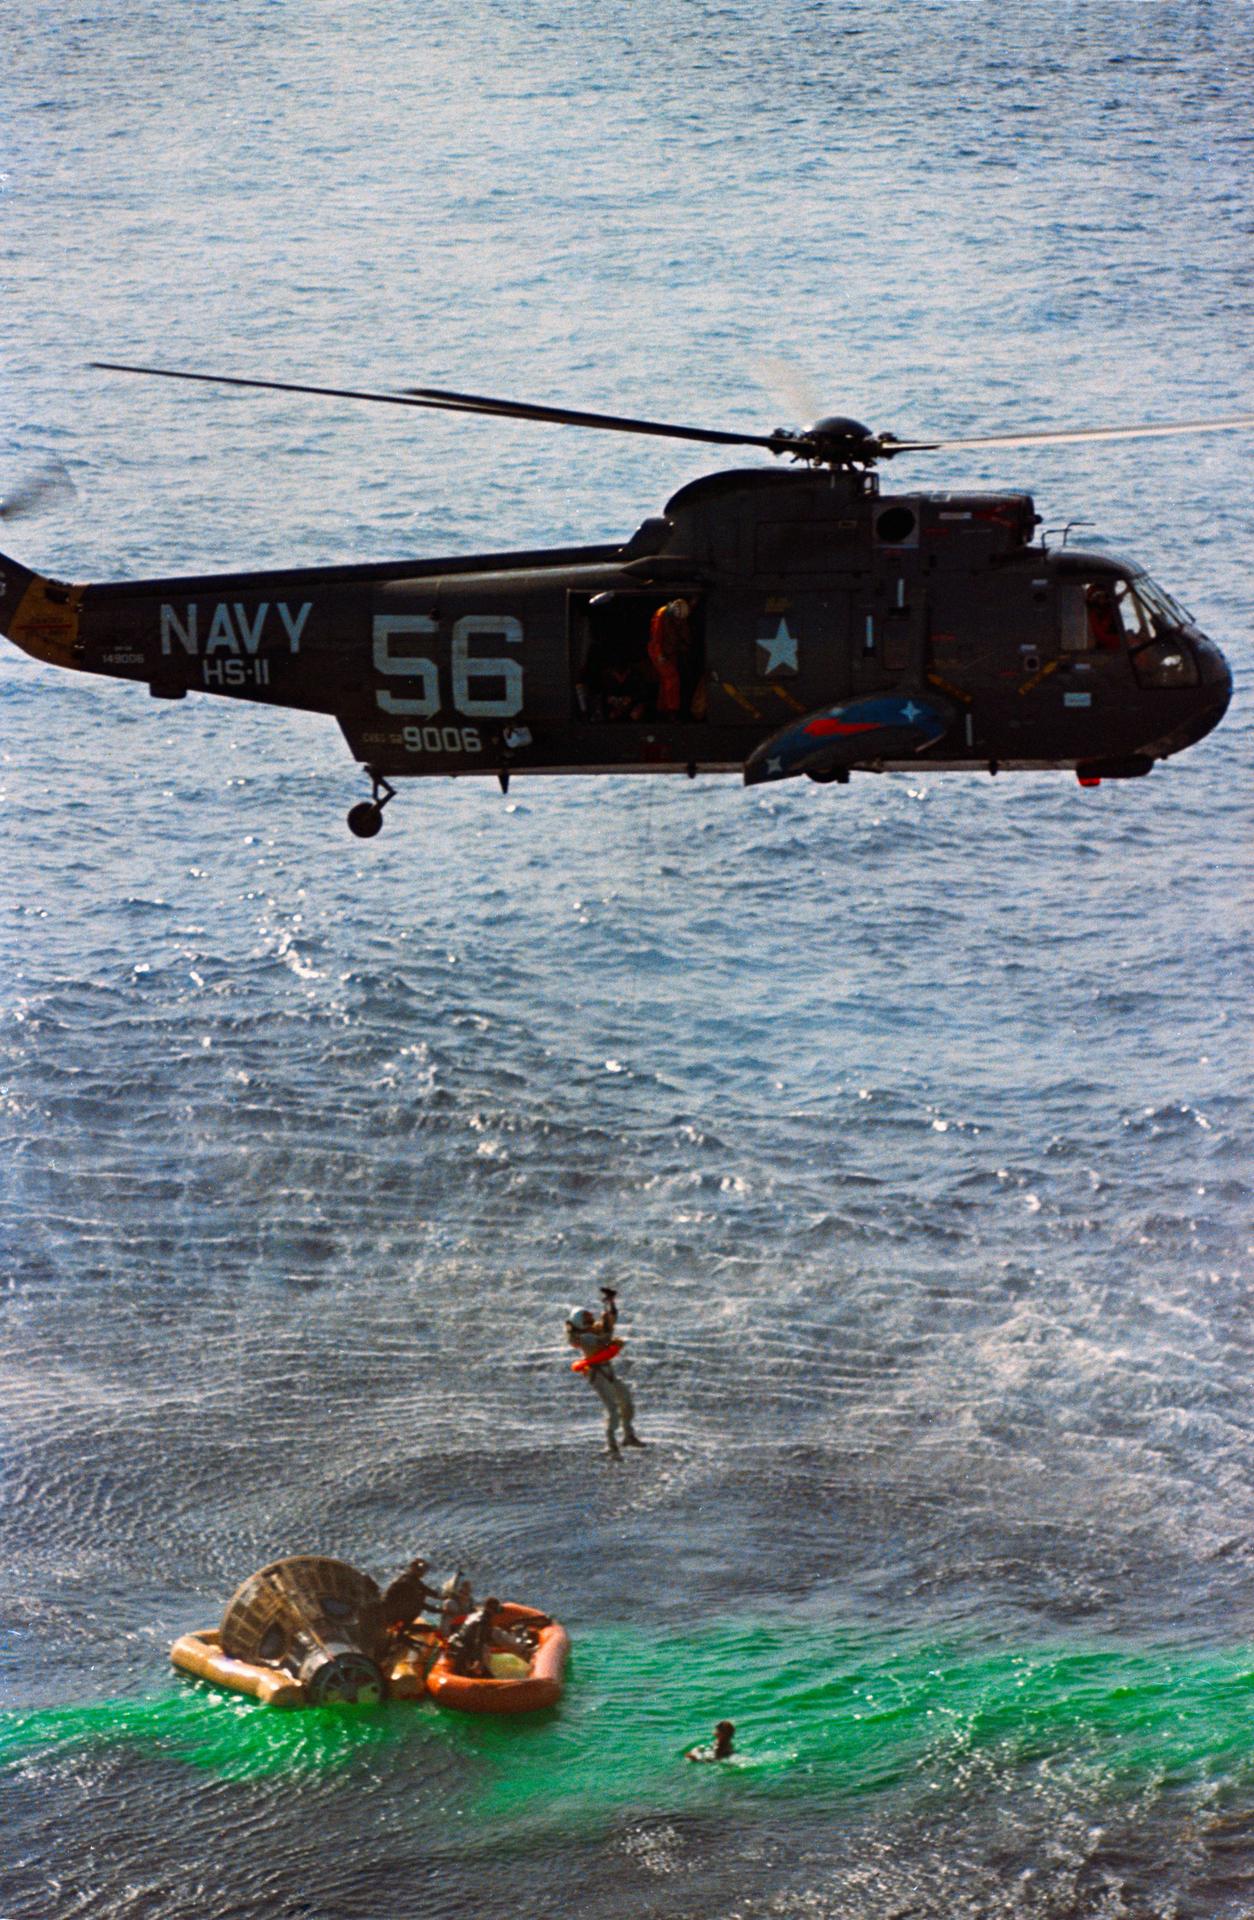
column 635, row 660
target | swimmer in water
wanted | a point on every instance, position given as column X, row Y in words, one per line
column 722, row 1748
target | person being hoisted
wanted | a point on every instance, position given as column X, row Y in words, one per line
column 592, row 1336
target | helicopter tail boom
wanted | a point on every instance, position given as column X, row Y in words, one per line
column 39, row 615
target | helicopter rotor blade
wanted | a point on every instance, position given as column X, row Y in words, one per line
column 271, row 386
column 817, row 443
column 1160, row 430
column 445, row 401
column 576, row 417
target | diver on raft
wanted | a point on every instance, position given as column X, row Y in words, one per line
column 479, row 1636
column 592, row 1336
column 456, row 1603
column 407, row 1598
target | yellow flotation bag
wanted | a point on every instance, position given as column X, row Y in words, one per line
column 508, row 1666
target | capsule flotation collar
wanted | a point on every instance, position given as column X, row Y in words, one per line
column 600, row 1358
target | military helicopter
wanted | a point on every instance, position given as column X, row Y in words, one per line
column 770, row 622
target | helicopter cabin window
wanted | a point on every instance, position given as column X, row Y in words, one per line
column 639, row 657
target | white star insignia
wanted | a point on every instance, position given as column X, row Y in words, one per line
column 911, row 713
column 780, row 649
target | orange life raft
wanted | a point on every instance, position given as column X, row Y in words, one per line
column 540, row 1686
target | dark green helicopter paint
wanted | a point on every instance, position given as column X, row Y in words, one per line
column 829, row 627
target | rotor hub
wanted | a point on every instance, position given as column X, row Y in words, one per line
column 835, row 441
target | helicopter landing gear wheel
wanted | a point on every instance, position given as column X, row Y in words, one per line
column 366, row 818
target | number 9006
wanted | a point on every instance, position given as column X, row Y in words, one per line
column 442, row 740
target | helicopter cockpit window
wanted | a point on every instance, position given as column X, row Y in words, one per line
column 1161, row 656
column 1165, row 614
column 1131, row 613
column 639, row 658
column 1109, row 615
column 1166, row 663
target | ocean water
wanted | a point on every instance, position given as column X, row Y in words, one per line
column 912, row 1119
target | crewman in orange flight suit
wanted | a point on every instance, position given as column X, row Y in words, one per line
column 592, row 1335
column 673, row 657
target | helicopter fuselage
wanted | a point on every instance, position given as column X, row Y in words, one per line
column 817, row 626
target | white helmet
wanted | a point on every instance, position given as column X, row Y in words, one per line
column 580, row 1318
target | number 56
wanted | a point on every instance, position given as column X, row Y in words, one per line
column 465, row 668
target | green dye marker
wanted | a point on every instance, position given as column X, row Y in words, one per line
column 827, row 1716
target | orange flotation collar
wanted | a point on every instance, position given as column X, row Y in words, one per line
column 600, row 1358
